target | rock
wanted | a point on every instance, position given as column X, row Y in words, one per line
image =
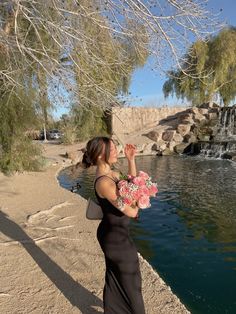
column 147, row 150
column 155, row 147
column 183, row 129
column 203, row 137
column 167, row 152
column 212, row 116
column 159, row 153
column 198, row 117
column 168, row 135
column 192, row 149
column 185, row 118
column 171, row 145
column 73, row 155
column 178, row 138
column 159, row 146
column 204, row 133
column 120, row 149
column 226, row 156
column 203, row 111
column 234, row 158
column 189, row 138
column 153, row 135
column 181, row 148
column 208, row 105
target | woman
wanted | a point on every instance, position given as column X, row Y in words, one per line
column 122, row 291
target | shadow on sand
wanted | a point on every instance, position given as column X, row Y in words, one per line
column 76, row 294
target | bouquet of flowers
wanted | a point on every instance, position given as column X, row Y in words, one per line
column 137, row 189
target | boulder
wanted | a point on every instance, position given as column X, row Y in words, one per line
column 183, row 129
column 203, row 137
column 212, row 116
column 162, row 145
column 74, row 156
column 198, row 117
column 203, row 111
column 226, row 156
column 234, row 158
column 155, row 147
column 185, row 118
column 147, row 150
column 178, row 138
column 181, row 148
column 167, row 152
column 171, row 145
column 208, row 105
column 153, row 135
column 168, row 135
column 189, row 138
column 120, row 149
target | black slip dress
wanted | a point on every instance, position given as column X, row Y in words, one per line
column 122, row 291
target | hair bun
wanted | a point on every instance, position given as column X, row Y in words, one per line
column 86, row 161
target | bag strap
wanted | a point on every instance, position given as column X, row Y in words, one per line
column 101, row 177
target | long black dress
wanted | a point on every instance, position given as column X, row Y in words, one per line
column 122, row 292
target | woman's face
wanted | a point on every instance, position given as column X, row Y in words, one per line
column 113, row 154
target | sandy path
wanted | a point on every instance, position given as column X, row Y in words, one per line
column 50, row 259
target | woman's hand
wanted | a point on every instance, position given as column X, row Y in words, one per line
column 130, row 151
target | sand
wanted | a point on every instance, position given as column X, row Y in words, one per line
column 50, row 259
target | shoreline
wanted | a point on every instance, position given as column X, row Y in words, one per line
column 51, row 261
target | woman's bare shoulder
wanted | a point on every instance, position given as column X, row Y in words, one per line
column 116, row 175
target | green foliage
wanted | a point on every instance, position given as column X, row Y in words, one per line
column 89, row 122
column 209, row 71
column 41, row 39
column 23, row 155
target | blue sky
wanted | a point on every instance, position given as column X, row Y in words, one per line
column 146, row 84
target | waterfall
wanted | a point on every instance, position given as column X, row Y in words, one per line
column 223, row 144
column 227, row 124
column 222, row 149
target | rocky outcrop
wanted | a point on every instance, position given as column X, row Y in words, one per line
column 174, row 134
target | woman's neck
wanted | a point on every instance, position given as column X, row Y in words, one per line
column 103, row 169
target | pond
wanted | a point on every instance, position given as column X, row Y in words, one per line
column 189, row 233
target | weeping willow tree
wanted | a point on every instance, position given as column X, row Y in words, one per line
column 208, row 72
column 99, row 82
column 90, row 47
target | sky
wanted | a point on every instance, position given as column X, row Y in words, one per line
column 146, row 84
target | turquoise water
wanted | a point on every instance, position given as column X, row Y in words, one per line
column 189, row 233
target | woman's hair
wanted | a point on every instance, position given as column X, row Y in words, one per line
column 94, row 148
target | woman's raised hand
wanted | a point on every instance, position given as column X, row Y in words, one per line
column 130, row 151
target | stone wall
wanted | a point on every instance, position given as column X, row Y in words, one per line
column 128, row 120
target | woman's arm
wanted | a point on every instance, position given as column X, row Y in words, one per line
column 130, row 152
column 106, row 188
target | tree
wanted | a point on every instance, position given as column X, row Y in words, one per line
column 209, row 71
column 40, row 30
column 90, row 46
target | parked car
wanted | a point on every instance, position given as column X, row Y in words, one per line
column 41, row 135
column 55, row 134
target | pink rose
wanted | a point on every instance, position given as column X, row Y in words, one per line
column 127, row 201
column 153, row 190
column 124, row 191
column 144, row 202
column 143, row 175
column 122, row 183
column 136, row 194
column 144, row 191
column 139, row 181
